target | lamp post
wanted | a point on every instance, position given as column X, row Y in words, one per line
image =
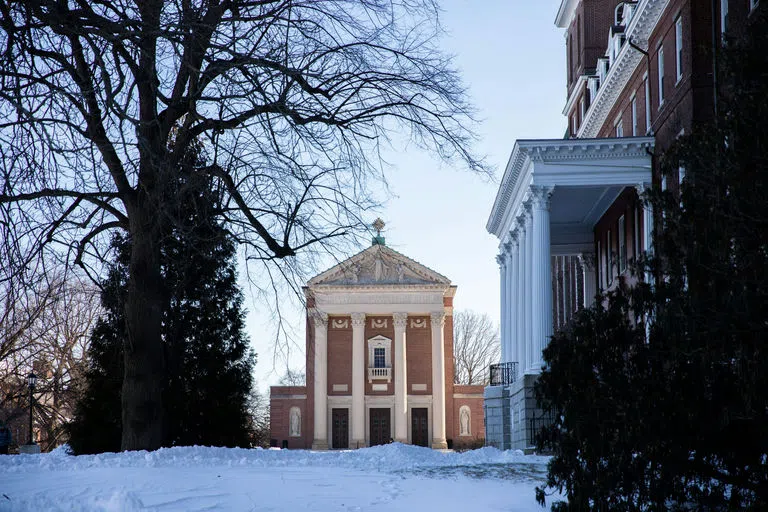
column 31, row 381
column 31, row 447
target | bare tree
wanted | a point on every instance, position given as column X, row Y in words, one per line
column 291, row 99
column 293, row 378
column 46, row 330
column 475, row 347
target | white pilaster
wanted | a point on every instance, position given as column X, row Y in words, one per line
column 320, row 441
column 542, row 274
column 501, row 259
column 522, row 286
column 358, row 380
column 647, row 225
column 401, row 379
column 587, row 261
column 438, row 381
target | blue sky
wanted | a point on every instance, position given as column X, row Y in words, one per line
column 512, row 58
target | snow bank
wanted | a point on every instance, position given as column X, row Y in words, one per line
column 386, row 458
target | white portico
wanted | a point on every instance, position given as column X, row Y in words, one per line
column 378, row 355
column 552, row 194
column 551, row 200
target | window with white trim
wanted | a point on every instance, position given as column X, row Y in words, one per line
column 660, row 65
column 379, row 357
column 634, row 115
column 609, row 258
column 679, row 48
column 619, row 127
column 582, row 108
column 621, row 237
column 647, row 106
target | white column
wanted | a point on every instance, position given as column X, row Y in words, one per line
column 647, row 225
column 438, row 381
column 530, row 349
column 401, row 379
column 522, row 282
column 503, row 304
column 587, row 261
column 358, row 380
column 542, row 274
column 509, row 349
column 512, row 263
column 320, row 441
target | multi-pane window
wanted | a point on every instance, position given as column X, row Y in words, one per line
column 647, row 107
column 379, row 357
column 621, row 235
column 679, row 48
column 634, row 115
column 660, row 64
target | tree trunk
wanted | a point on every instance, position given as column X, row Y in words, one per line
column 142, row 403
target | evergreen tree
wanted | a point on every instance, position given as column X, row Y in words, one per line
column 680, row 421
column 208, row 380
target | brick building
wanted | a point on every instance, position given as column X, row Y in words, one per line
column 379, row 355
column 568, row 213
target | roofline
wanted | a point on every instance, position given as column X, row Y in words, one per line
column 530, row 149
column 565, row 13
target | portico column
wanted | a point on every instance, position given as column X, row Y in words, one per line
column 509, row 348
column 438, row 381
column 358, row 380
column 587, row 261
column 502, row 261
column 530, row 283
column 522, row 283
column 320, row 441
column 513, row 259
column 401, row 379
column 542, row 274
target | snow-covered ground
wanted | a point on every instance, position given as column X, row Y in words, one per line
column 392, row 477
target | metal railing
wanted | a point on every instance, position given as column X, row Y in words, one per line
column 502, row 373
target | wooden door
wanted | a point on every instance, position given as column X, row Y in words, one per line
column 419, row 431
column 380, row 433
column 340, row 428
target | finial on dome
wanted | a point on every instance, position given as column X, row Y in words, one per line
column 378, row 225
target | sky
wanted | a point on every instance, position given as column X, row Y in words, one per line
column 512, row 58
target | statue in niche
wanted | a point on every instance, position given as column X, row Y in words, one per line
column 295, row 422
column 464, row 421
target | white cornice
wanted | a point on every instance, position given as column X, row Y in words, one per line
column 639, row 31
column 565, row 13
column 527, row 152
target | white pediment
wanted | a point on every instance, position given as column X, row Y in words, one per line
column 379, row 265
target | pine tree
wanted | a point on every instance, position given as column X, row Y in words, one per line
column 208, row 381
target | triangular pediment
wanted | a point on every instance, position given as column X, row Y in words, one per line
column 379, row 265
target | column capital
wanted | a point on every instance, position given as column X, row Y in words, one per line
column 400, row 319
column 540, row 197
column 358, row 319
column 588, row 260
column 320, row 319
column 501, row 260
column 521, row 223
column 438, row 318
column 642, row 187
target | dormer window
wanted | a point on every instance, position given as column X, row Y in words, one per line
column 618, row 14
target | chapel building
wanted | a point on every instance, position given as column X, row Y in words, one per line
column 569, row 214
column 379, row 361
